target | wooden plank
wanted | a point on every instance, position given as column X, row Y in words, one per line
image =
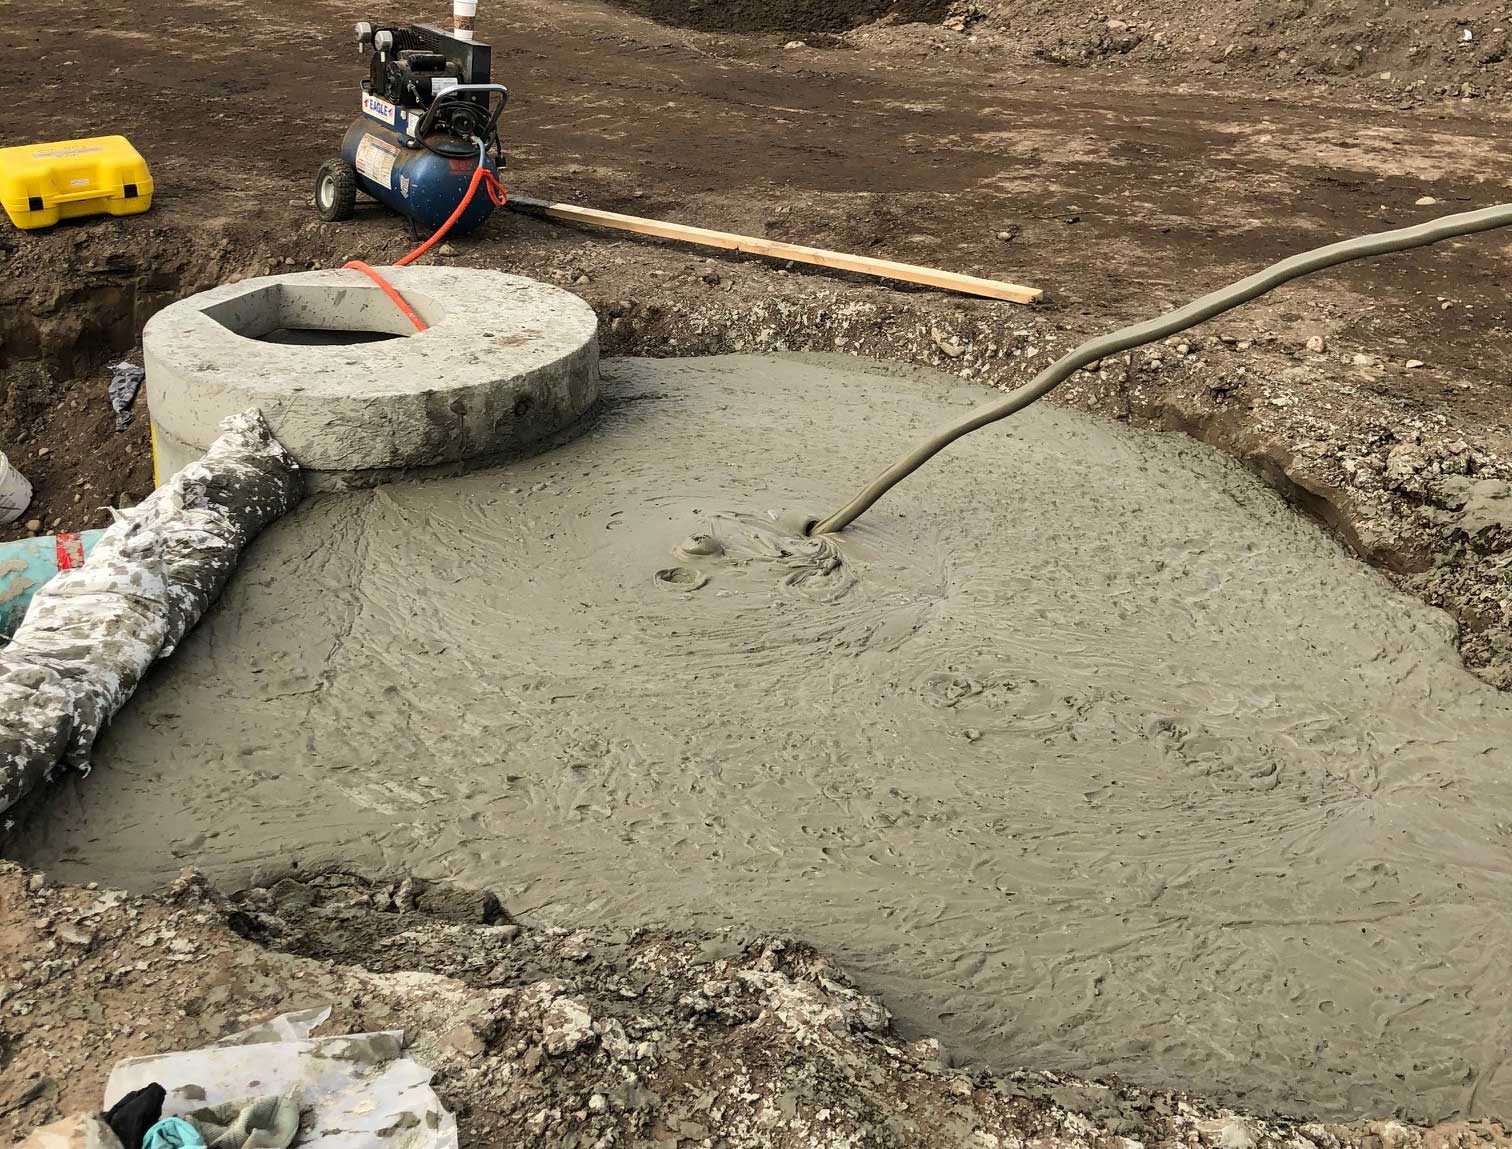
column 774, row 249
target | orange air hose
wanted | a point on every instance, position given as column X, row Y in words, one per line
column 388, row 289
column 482, row 177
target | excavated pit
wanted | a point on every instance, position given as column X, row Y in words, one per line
column 1081, row 746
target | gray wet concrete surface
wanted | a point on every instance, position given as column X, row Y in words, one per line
column 1082, row 747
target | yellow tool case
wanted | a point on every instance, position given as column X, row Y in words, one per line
column 43, row 183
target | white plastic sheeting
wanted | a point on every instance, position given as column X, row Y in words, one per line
column 357, row 1091
column 91, row 633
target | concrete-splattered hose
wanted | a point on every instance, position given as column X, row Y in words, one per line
column 1216, row 303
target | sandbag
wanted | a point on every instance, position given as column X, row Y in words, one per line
column 91, row 633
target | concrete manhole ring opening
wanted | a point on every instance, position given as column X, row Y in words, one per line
column 353, row 390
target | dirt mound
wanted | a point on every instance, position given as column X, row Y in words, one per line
column 1409, row 49
column 789, row 16
column 1406, row 52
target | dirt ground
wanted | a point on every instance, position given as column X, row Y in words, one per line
column 550, row 1036
column 1123, row 161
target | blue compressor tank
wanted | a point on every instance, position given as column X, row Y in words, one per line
column 415, row 181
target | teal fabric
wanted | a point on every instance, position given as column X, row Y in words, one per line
column 173, row 1133
column 28, row 563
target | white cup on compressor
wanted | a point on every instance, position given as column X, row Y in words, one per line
column 464, row 13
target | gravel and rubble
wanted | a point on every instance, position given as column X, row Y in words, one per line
column 551, row 1036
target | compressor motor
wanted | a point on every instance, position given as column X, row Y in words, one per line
column 430, row 119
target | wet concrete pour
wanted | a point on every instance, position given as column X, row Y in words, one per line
column 1083, row 747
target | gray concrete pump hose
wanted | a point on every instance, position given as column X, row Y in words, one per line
column 1215, row 303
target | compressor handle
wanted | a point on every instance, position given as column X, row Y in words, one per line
column 429, row 119
column 500, row 88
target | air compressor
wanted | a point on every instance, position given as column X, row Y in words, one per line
column 429, row 120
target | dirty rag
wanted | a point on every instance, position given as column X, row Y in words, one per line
column 131, row 1116
column 173, row 1133
column 258, row 1123
column 125, row 379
